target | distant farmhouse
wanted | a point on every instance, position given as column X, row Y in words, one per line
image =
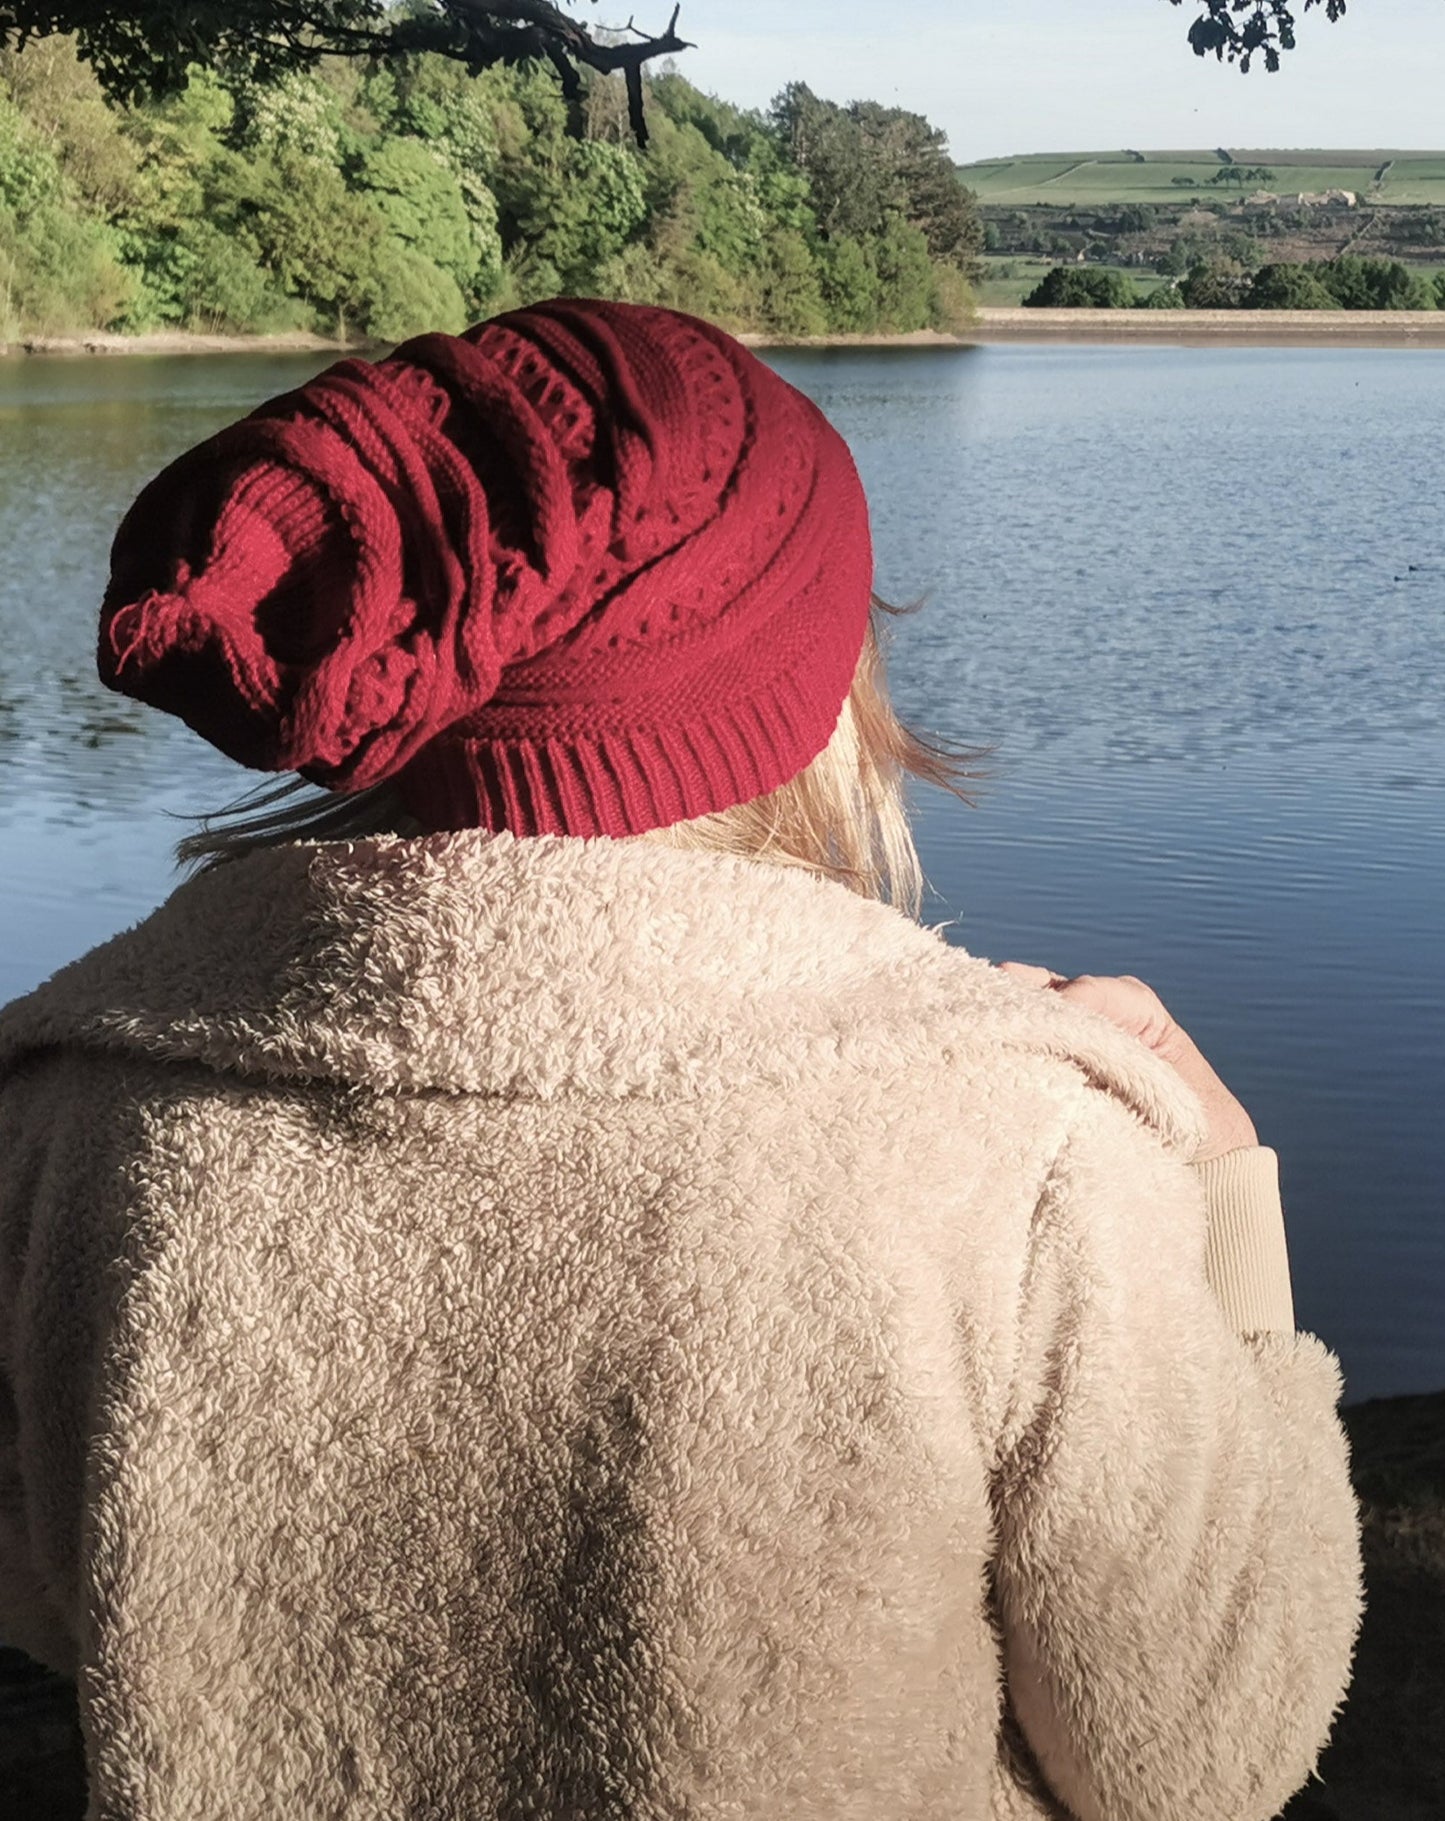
column 1308, row 199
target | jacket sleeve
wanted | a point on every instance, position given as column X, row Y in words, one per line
column 1177, row 1568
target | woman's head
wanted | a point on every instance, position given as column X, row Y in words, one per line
column 844, row 816
column 589, row 569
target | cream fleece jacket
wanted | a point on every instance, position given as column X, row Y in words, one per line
column 554, row 1328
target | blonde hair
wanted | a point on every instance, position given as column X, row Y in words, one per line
column 844, row 816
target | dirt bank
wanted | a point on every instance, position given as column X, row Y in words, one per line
column 1356, row 328
column 174, row 341
column 1386, row 1761
column 1363, row 328
column 915, row 338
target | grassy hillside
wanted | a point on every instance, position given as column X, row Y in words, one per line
column 1065, row 178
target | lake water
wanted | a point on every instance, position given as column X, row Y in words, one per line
column 1195, row 599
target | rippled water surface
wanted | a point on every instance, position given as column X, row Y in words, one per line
column 1192, row 597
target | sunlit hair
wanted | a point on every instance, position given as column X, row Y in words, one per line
column 844, row 816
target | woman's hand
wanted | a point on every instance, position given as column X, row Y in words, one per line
column 1138, row 1009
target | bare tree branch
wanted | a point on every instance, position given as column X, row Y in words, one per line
column 568, row 44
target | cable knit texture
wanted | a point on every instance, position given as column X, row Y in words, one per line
column 590, row 568
column 557, row 1328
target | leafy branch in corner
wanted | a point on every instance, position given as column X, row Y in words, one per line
column 1240, row 29
column 145, row 49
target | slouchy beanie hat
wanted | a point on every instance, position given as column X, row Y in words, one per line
column 589, row 568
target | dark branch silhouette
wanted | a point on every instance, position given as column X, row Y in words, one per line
column 1240, row 30
column 145, row 49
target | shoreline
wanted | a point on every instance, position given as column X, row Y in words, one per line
column 180, row 341
column 1196, row 328
column 1352, row 328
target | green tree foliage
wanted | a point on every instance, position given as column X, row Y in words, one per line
column 850, row 283
column 298, row 112
column 702, row 206
column 1357, row 283
column 321, row 242
column 1348, row 283
column 1288, row 287
column 408, row 295
column 792, row 297
column 1241, row 174
column 565, row 218
column 1081, row 288
column 188, row 269
column 1220, row 283
column 57, row 272
column 1129, row 218
column 381, row 200
column 29, row 172
column 421, row 202
column 434, row 103
column 905, row 278
column 60, row 267
column 866, row 164
column 61, row 101
column 195, row 276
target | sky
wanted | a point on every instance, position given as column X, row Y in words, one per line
column 1008, row 76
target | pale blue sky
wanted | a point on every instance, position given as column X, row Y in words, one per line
column 1004, row 76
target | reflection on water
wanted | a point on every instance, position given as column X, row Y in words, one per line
column 1192, row 595
column 1158, row 551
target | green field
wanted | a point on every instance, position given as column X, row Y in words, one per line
column 1008, row 278
column 1007, row 281
column 1069, row 178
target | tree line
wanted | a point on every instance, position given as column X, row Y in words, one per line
column 374, row 198
column 1351, row 282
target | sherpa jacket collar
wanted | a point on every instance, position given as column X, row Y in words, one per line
column 483, row 963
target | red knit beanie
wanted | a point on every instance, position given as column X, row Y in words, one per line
column 588, row 569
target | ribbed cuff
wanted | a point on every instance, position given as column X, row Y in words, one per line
column 1246, row 1259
